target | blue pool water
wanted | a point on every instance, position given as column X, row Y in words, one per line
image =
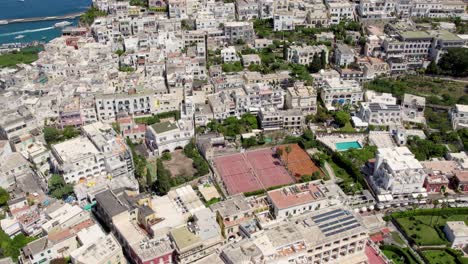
column 343, row 146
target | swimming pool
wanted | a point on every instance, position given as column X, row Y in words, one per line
column 343, row 146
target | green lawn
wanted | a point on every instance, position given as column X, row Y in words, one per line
column 437, row 91
column 396, row 237
column 424, row 232
column 393, row 257
column 26, row 55
column 439, row 257
column 399, row 255
column 348, row 184
column 435, row 256
column 360, row 156
column 348, row 127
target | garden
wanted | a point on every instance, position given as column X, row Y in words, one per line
column 437, row 91
column 399, row 255
column 25, row 55
column 443, row 256
column 425, row 226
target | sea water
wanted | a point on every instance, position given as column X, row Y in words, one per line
column 36, row 31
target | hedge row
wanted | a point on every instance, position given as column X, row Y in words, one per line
column 458, row 256
column 408, row 256
column 435, row 212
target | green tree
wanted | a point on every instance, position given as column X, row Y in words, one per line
column 455, row 62
column 342, row 117
column 288, row 150
column 166, row 156
column 58, row 188
column 316, row 64
column 4, row 196
column 70, row 132
column 232, row 67
column 249, row 142
column 249, row 120
column 323, row 59
column 90, row 15
column 163, row 183
column 306, row 178
column 51, row 134
column 279, row 152
column 433, row 68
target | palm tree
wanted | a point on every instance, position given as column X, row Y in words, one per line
column 435, row 203
column 279, row 152
column 288, row 150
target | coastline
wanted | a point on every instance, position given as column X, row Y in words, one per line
column 41, row 31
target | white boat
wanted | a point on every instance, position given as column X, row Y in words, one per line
column 20, row 0
column 19, row 37
column 62, row 24
column 3, row 22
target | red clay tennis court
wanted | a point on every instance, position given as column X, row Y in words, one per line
column 251, row 171
column 298, row 161
column 268, row 168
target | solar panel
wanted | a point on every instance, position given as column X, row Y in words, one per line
column 338, row 226
column 333, row 223
column 342, row 230
column 323, row 219
column 326, row 214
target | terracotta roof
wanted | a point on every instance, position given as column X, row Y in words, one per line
column 295, row 195
column 69, row 232
column 462, row 176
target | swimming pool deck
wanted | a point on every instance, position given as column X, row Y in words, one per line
column 331, row 140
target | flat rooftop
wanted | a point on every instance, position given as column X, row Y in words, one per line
column 415, row 34
column 75, row 149
column 164, row 127
column 296, row 195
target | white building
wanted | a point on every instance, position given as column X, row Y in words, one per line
column 169, row 135
column 247, row 9
column 77, row 159
column 197, row 239
column 117, row 155
column 377, row 9
column 273, row 119
column 344, row 55
column 302, row 97
column 340, row 10
column 305, row 54
column 413, row 108
column 239, row 30
column 379, row 98
column 457, row 233
column 64, row 217
column 285, row 21
column 332, row 235
column 109, row 105
column 459, row 116
column 106, row 250
column 295, row 200
column 380, row 114
column 397, row 172
column 437, row 8
column 229, row 54
column 335, row 91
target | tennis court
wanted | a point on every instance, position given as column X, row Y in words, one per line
column 268, row 168
column 251, row 171
column 236, row 174
column 298, row 161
